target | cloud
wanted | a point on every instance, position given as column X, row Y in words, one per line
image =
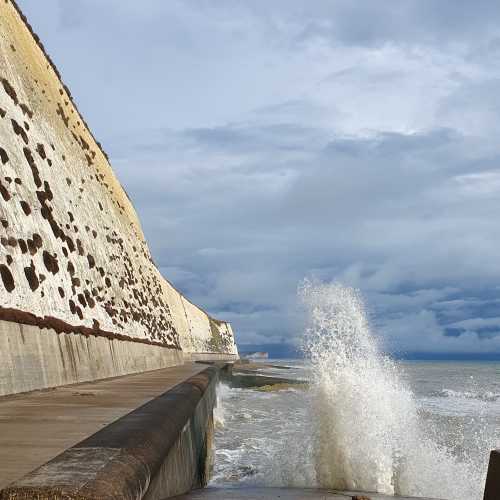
column 263, row 142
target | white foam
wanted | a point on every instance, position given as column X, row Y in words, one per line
column 364, row 424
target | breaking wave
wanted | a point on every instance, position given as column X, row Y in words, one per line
column 366, row 431
column 481, row 396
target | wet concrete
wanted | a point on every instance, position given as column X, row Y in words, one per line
column 36, row 427
column 284, row 494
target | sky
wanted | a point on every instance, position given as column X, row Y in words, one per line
column 267, row 142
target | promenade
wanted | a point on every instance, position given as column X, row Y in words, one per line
column 38, row 426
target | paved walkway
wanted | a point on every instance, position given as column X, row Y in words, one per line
column 36, row 427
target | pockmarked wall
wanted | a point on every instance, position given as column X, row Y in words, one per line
column 73, row 258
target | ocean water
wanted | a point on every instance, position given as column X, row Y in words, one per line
column 366, row 422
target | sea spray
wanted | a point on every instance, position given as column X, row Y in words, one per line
column 365, row 427
column 219, row 414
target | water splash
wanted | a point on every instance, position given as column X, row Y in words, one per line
column 365, row 425
column 219, row 409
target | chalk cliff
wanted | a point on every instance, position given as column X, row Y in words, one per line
column 73, row 257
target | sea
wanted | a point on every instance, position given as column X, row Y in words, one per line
column 364, row 421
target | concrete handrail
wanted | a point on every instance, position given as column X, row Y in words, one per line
column 121, row 460
column 492, row 487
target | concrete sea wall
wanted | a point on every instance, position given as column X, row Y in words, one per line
column 159, row 450
column 75, row 268
column 32, row 359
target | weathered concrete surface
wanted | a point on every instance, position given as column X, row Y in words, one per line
column 188, row 463
column 36, row 427
column 159, row 448
column 32, row 359
column 73, row 257
column 284, row 494
column 492, row 488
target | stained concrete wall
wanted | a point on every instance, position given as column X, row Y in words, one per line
column 32, row 359
column 73, row 257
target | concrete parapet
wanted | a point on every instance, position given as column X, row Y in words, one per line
column 492, row 488
column 32, row 358
column 156, row 451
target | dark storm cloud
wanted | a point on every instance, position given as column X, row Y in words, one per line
column 262, row 142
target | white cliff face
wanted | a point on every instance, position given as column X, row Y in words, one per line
column 72, row 255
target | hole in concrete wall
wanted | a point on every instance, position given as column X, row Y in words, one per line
column 9, row 90
column 31, row 246
column 79, row 312
column 41, row 151
column 37, row 240
column 80, row 247
column 4, row 157
column 48, row 191
column 61, row 292
column 18, row 130
column 50, row 262
column 71, row 245
column 22, row 245
column 81, row 299
column 90, row 300
column 7, row 278
column 26, row 111
column 4, row 223
column 4, row 192
column 31, row 276
column 34, row 169
column 25, row 206
column 60, row 112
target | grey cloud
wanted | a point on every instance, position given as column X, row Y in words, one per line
column 263, row 142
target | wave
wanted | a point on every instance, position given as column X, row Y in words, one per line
column 364, row 427
column 487, row 396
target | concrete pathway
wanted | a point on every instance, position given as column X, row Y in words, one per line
column 36, row 427
column 283, row 494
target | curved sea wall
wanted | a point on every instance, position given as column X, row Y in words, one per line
column 80, row 296
column 159, row 450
